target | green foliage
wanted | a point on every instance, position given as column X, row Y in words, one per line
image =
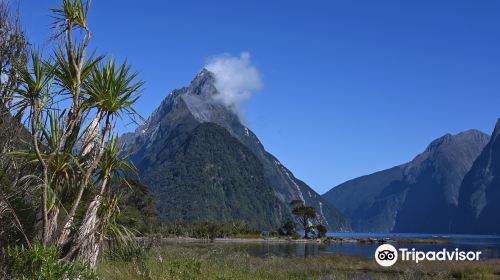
column 137, row 207
column 112, row 163
column 322, row 230
column 208, row 230
column 108, row 226
column 186, row 269
column 36, row 83
column 71, row 12
column 42, row 263
column 27, row 217
column 113, row 89
column 287, row 229
column 65, row 73
column 305, row 213
column 133, row 252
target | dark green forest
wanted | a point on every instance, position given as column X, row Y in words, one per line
column 213, row 177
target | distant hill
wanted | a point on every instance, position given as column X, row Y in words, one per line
column 419, row 196
column 479, row 201
column 203, row 164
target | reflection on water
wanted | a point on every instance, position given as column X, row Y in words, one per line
column 488, row 245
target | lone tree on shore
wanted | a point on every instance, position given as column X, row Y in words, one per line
column 304, row 213
column 322, row 230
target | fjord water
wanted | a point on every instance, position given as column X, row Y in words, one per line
column 489, row 245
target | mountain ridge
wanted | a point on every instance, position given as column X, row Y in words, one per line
column 401, row 198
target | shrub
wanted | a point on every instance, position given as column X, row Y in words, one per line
column 208, row 230
column 42, row 262
column 322, row 230
column 287, row 229
column 133, row 251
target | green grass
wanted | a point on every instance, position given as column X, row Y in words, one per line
column 195, row 261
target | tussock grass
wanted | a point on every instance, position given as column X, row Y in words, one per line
column 218, row 262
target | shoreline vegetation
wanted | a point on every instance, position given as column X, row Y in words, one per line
column 280, row 239
column 190, row 260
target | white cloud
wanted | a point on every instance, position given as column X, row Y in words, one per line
column 236, row 80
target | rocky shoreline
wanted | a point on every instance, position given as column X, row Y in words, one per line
column 328, row 240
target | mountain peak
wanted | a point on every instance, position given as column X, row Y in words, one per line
column 203, row 83
column 471, row 135
column 439, row 141
column 496, row 131
column 204, row 72
column 444, row 149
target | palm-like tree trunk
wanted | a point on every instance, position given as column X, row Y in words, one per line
column 52, row 220
column 65, row 232
column 87, row 237
column 91, row 165
column 89, row 241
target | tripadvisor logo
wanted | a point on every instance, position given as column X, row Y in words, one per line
column 387, row 255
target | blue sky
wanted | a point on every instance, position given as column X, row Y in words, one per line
column 349, row 87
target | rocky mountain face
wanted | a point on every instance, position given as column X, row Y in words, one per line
column 168, row 138
column 419, row 196
column 478, row 207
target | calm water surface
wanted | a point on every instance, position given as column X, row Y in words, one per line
column 489, row 245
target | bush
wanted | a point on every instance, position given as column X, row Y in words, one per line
column 41, row 262
column 131, row 252
column 322, row 230
column 185, row 268
column 288, row 229
column 208, row 230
